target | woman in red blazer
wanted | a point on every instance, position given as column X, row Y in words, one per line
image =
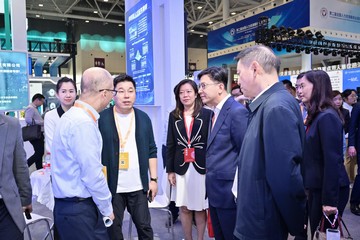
column 323, row 168
column 186, row 147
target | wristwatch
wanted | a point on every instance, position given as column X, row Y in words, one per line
column 154, row 179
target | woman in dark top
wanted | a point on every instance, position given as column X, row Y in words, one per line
column 186, row 147
column 345, row 114
column 323, row 169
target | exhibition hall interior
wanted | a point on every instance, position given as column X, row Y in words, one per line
column 159, row 43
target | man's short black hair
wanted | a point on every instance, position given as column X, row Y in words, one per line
column 37, row 96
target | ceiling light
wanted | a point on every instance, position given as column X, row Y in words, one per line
column 300, row 32
column 106, row 0
column 199, row 7
column 291, row 32
column 192, row 30
column 95, row 11
column 309, row 34
column 87, row 21
column 120, row 25
column 41, row 5
column 319, row 36
column 211, row 22
column 201, row 35
column 233, row 13
column 37, row 15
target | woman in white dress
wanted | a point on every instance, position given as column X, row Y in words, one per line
column 186, row 147
column 66, row 93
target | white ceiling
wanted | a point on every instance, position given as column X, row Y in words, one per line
column 199, row 12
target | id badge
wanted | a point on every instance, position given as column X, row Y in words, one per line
column 189, row 155
column 124, row 160
column 332, row 234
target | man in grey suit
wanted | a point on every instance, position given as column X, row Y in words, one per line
column 223, row 146
column 15, row 188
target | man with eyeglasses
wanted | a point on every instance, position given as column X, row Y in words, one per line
column 229, row 124
column 129, row 153
column 82, row 196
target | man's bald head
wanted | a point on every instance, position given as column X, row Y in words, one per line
column 94, row 79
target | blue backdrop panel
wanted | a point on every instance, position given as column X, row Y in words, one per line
column 139, row 50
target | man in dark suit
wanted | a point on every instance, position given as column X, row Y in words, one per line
column 15, row 188
column 224, row 142
column 271, row 197
column 353, row 151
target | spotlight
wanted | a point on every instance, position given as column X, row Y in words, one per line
column 343, row 53
column 315, row 51
column 326, row 52
column 350, row 54
column 334, row 53
column 319, row 36
column 300, row 32
column 297, row 50
column 278, row 47
column 283, row 30
column 291, row 32
column 307, row 50
column 288, row 48
column 309, row 34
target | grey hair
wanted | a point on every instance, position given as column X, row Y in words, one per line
column 261, row 54
column 92, row 78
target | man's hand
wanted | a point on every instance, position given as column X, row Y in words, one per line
column 153, row 187
column 112, row 216
column 352, row 151
column 28, row 207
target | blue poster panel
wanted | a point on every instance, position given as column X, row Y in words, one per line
column 339, row 15
column 294, row 14
column 351, row 78
column 14, row 84
column 139, row 51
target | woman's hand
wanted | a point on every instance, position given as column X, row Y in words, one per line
column 172, row 179
column 328, row 210
column 352, row 151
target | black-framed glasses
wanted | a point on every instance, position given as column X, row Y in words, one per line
column 114, row 92
column 203, row 85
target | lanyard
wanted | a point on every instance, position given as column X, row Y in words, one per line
column 79, row 105
column 123, row 141
column 188, row 133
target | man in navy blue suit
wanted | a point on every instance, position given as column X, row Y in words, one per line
column 224, row 142
column 271, row 197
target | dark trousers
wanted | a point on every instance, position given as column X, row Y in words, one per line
column 8, row 228
column 223, row 222
column 355, row 193
column 137, row 205
column 79, row 220
column 315, row 207
column 172, row 206
column 36, row 158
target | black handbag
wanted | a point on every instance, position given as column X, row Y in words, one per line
column 31, row 132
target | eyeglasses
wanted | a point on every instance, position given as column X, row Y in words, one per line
column 114, row 92
column 203, row 85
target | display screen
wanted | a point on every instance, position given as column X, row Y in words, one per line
column 14, row 84
column 139, row 51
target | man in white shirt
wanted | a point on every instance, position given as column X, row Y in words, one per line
column 82, row 197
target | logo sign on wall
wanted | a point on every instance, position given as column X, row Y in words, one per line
column 14, row 84
column 139, row 50
column 99, row 62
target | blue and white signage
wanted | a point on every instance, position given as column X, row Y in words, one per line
column 14, row 83
column 139, row 50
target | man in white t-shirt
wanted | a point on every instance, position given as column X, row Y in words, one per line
column 129, row 153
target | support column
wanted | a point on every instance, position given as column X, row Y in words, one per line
column 18, row 25
column 306, row 62
column 226, row 9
